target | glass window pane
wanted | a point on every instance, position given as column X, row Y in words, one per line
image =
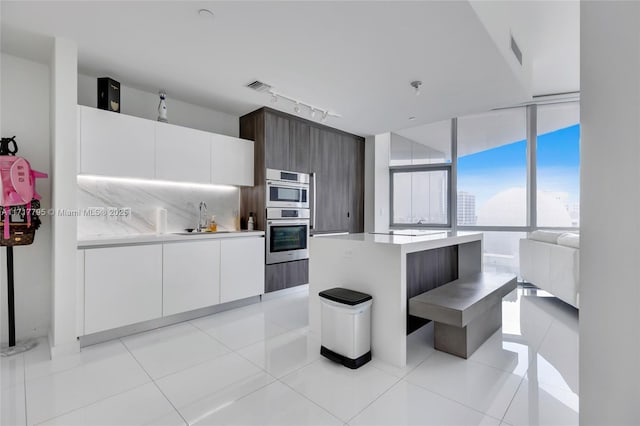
column 492, row 168
column 558, row 171
column 500, row 251
column 421, row 197
column 427, row 144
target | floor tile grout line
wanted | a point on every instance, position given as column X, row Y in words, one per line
column 155, row 384
column 512, row 399
column 311, row 400
column 454, row 400
column 376, row 398
column 90, row 404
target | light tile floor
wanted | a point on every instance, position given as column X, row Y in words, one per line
column 260, row 365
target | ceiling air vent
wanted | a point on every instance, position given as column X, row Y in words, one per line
column 516, row 50
column 259, row 86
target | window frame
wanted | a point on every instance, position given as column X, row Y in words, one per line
column 393, row 170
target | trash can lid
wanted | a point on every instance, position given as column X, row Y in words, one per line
column 345, row 296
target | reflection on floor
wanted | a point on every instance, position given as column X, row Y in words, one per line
column 260, row 365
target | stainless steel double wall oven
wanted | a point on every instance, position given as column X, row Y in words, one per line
column 288, row 216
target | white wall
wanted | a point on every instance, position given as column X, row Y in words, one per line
column 382, row 145
column 145, row 105
column 64, row 167
column 369, row 183
column 24, row 112
column 610, row 224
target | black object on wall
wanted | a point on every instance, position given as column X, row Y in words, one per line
column 109, row 94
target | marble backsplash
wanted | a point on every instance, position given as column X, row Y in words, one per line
column 143, row 198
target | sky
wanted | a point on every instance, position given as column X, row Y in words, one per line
column 489, row 172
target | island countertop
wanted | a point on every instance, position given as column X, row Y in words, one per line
column 391, row 268
column 412, row 242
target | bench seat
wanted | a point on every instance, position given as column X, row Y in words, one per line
column 466, row 312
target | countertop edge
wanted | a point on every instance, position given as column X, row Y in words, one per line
column 161, row 238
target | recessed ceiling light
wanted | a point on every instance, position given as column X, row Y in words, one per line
column 205, row 13
column 412, row 118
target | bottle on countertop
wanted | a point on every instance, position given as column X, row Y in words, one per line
column 250, row 222
column 213, row 226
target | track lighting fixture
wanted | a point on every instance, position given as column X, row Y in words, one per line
column 314, row 112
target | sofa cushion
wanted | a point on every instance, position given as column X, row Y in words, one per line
column 569, row 239
column 546, row 236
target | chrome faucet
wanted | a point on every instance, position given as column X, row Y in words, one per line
column 201, row 208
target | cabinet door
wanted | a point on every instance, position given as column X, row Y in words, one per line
column 182, row 154
column 123, row 285
column 328, row 163
column 276, row 141
column 299, row 146
column 354, row 148
column 191, row 276
column 114, row 144
column 241, row 268
column 231, row 161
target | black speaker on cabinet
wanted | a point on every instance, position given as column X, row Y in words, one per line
column 109, row 94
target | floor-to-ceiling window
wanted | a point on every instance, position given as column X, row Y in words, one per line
column 516, row 170
column 558, row 165
column 492, row 168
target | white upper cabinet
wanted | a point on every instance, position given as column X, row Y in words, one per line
column 182, row 154
column 114, row 144
column 231, row 161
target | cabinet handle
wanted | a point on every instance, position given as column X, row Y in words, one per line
column 348, row 214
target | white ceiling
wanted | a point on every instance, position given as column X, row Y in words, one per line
column 356, row 58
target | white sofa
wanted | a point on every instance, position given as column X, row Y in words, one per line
column 550, row 261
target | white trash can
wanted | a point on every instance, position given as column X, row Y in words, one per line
column 346, row 326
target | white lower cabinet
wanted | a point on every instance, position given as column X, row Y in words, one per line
column 191, row 276
column 242, row 268
column 123, row 285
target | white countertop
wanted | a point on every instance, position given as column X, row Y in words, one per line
column 123, row 240
column 419, row 237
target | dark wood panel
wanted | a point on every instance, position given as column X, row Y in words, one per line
column 276, row 142
column 327, row 163
column 426, row 270
column 355, row 170
column 285, row 275
column 252, row 199
column 299, row 146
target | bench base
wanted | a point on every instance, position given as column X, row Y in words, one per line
column 463, row 341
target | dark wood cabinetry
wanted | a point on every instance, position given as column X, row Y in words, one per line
column 279, row 276
column 334, row 157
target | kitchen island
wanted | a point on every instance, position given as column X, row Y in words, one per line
column 392, row 267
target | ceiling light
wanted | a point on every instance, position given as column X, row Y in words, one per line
column 416, row 85
column 312, row 113
column 274, row 98
column 325, row 115
column 412, row 118
column 205, row 13
column 296, row 108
